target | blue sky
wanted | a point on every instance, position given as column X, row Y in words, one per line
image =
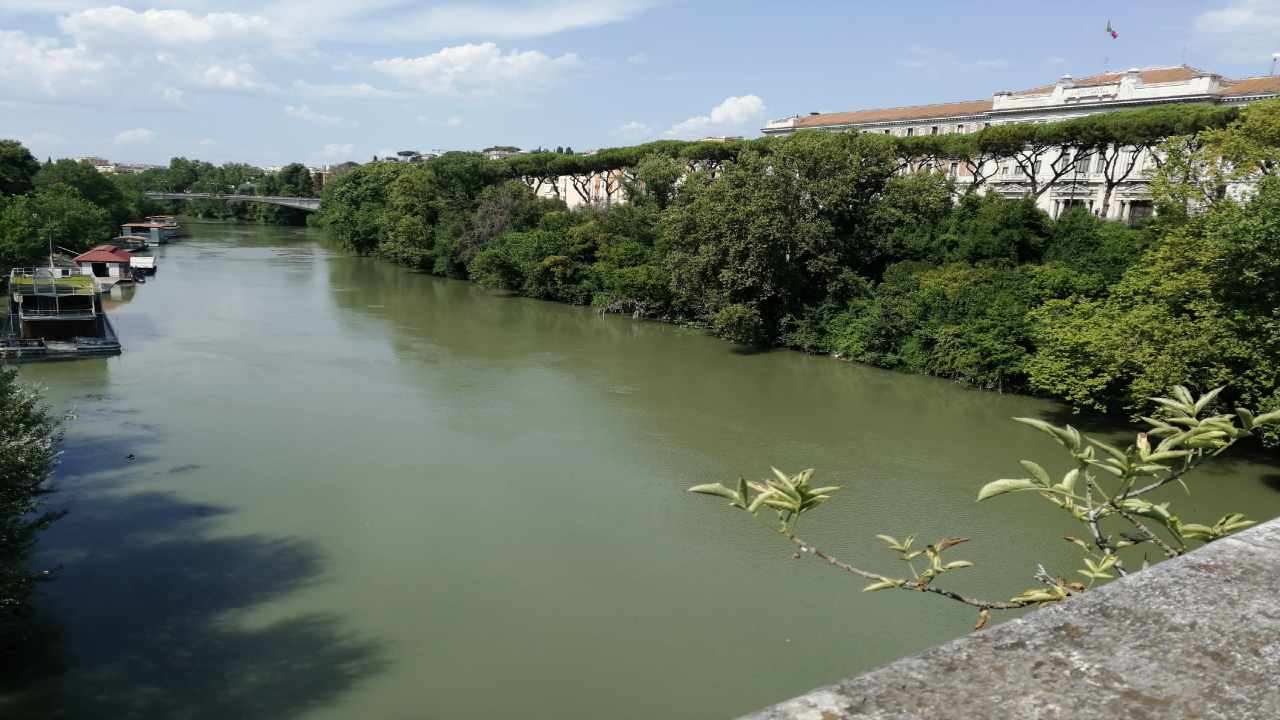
column 271, row 81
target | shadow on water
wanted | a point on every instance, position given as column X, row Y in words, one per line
column 164, row 634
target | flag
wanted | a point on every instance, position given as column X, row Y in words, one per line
column 1111, row 32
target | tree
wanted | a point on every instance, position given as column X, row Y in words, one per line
column 656, row 178
column 54, row 216
column 744, row 240
column 29, row 438
column 294, row 180
column 17, row 168
column 1105, row 491
column 91, row 184
column 1200, row 305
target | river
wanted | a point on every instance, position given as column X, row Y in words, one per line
column 322, row 486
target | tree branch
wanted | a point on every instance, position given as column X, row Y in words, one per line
column 804, row 547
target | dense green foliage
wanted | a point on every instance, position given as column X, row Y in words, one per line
column 864, row 246
column 63, row 206
column 28, row 448
column 185, row 175
column 18, row 168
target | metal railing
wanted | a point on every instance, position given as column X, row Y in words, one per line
column 56, row 313
column 51, row 281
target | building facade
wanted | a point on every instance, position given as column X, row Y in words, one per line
column 1067, row 98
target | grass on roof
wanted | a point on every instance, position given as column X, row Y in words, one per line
column 72, row 281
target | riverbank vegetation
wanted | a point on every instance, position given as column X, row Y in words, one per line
column 29, row 437
column 71, row 206
column 65, row 205
column 866, row 247
column 197, row 176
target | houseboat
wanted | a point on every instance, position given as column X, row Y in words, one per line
column 54, row 313
column 131, row 243
column 107, row 264
column 154, row 232
column 169, row 222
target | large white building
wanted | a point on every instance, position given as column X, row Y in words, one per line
column 1067, row 98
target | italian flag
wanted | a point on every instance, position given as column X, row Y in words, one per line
column 1111, row 32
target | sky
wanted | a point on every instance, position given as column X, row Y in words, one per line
column 325, row 81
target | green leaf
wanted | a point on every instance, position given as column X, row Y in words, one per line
column 1000, row 487
column 884, row 584
column 1246, row 418
column 1267, row 418
column 1183, row 394
column 957, row 564
column 1113, row 451
column 1068, row 483
column 714, row 489
column 1037, row 472
column 759, row 500
column 1205, row 399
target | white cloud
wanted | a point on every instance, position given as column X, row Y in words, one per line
column 43, row 69
column 356, row 90
column 477, row 69
column 172, row 95
column 306, row 114
column 735, row 112
column 207, row 141
column 638, row 59
column 633, row 130
column 525, row 20
column 135, row 136
column 1241, row 31
column 453, row 121
column 337, row 151
column 117, row 26
column 238, row 77
column 298, row 21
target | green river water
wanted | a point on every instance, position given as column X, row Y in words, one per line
column 360, row 492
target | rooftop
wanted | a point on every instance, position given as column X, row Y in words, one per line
column 23, row 282
column 1158, row 83
column 104, row 253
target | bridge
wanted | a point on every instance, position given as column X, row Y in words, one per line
column 299, row 203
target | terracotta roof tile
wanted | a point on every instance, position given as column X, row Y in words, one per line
column 105, row 253
column 1252, row 86
column 915, row 112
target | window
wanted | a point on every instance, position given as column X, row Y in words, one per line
column 1100, row 161
column 960, row 128
column 986, row 125
column 954, row 168
column 933, row 130
column 911, row 131
column 1140, row 210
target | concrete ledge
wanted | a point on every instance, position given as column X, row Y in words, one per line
column 1193, row 637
